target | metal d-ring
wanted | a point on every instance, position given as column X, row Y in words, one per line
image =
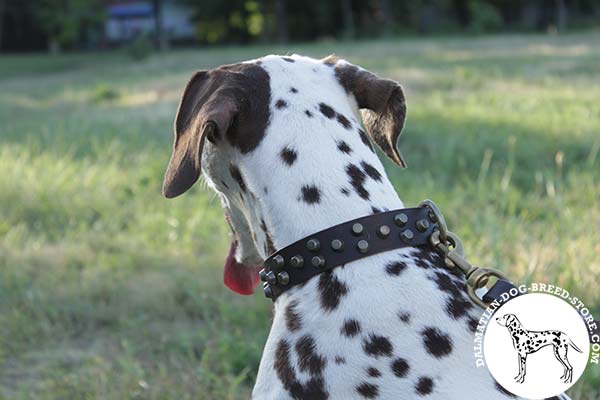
column 439, row 218
column 478, row 279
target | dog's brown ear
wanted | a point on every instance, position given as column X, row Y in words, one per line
column 382, row 102
column 204, row 110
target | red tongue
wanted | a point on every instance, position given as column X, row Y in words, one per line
column 238, row 277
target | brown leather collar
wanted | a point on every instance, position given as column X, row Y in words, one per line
column 344, row 243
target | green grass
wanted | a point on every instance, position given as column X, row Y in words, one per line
column 107, row 290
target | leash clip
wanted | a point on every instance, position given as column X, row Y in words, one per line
column 450, row 245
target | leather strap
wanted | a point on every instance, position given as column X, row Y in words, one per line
column 344, row 243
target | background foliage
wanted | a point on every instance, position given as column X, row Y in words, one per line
column 77, row 24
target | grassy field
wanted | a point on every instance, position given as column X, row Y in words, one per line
column 107, row 290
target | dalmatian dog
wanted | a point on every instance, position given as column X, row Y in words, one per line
column 527, row 342
column 280, row 140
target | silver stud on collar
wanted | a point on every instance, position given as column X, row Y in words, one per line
column 283, row 278
column 271, row 279
column 400, row 219
column 422, row 225
column 297, row 261
column 363, row 246
column 407, row 235
column 268, row 291
column 357, row 229
column 318, row 261
column 337, row 245
column 313, row 245
column 276, row 262
column 383, row 231
column 263, row 275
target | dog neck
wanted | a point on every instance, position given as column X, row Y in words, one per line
column 348, row 190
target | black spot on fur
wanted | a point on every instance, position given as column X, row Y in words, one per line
column 332, row 290
column 395, row 267
column 343, row 121
column 313, row 389
column 311, row 194
column 400, row 367
column 365, row 139
column 344, row 147
column 437, row 343
column 375, row 210
column 288, row 155
column 421, row 262
column 376, row 346
column 367, row 390
column 473, row 324
column 281, row 104
column 308, row 113
column 424, row 386
column 371, row 171
column 404, row 316
column 266, row 190
column 339, row 360
column 293, row 320
column 345, row 191
column 308, row 359
column 326, row 110
column 458, row 307
column 237, row 176
column 293, row 90
column 503, row 391
column 457, row 304
column 357, row 180
column 288, row 59
column 446, row 284
column 351, row 328
column 373, row 372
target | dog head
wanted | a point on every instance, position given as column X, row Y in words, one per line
column 508, row 320
column 245, row 126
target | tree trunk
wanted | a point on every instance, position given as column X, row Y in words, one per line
column 388, row 18
column 2, row 8
column 162, row 42
column 348, row 19
column 561, row 15
column 281, row 21
column 54, row 46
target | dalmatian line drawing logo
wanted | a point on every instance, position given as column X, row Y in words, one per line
column 527, row 342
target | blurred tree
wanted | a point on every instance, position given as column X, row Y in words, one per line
column 348, row 17
column 2, row 8
column 388, row 17
column 234, row 21
column 67, row 21
column 281, row 21
column 561, row 15
column 162, row 42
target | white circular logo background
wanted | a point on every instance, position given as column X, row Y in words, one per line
column 542, row 374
